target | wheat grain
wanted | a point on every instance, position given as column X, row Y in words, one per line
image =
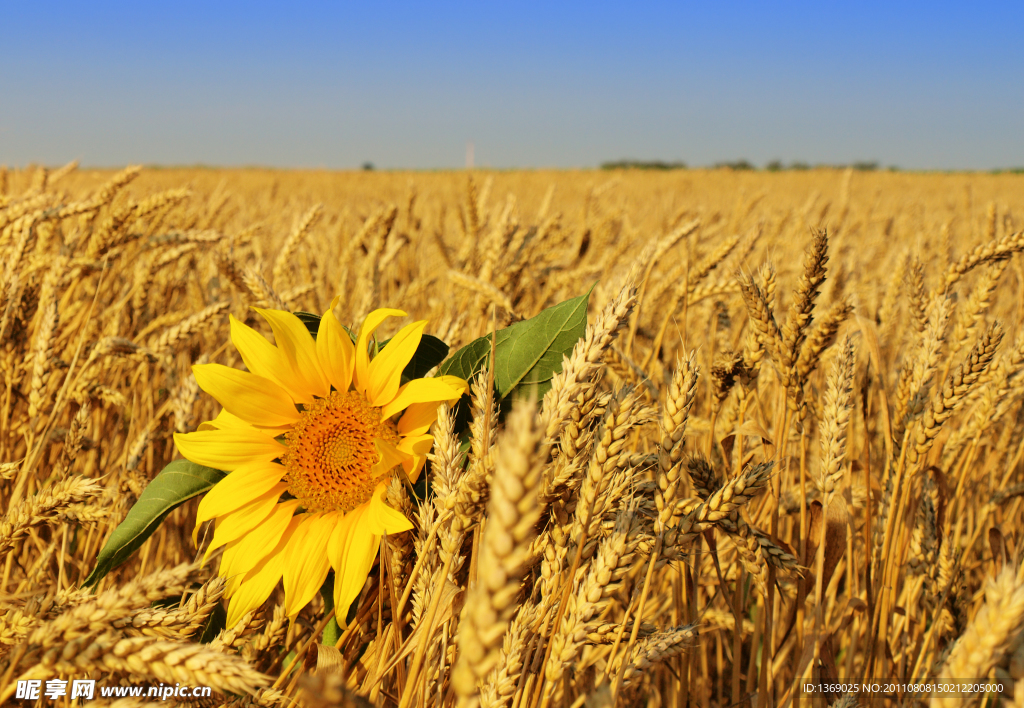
column 678, row 403
column 512, row 512
column 152, row 658
column 838, row 405
column 986, row 637
column 291, row 243
column 921, row 436
column 46, row 507
column 186, row 327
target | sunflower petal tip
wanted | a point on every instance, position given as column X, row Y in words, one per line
column 234, row 615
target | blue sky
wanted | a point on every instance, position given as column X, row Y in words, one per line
column 920, row 85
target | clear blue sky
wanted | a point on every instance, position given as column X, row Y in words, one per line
column 919, row 85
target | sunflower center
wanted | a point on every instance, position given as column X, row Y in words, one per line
column 331, row 453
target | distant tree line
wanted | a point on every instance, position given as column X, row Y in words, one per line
column 643, row 165
column 773, row 166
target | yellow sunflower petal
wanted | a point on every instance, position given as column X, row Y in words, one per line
column 306, row 563
column 390, row 457
column 351, row 550
column 264, row 359
column 459, row 384
column 419, row 391
column 417, row 447
column 381, row 518
column 228, row 449
column 228, row 559
column 298, row 345
column 223, row 420
column 240, row 487
column 335, row 351
column 252, row 398
column 260, row 581
column 417, row 419
column 247, row 551
column 370, row 325
column 233, row 526
column 385, row 371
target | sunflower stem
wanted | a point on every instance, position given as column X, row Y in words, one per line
column 300, row 653
column 332, row 632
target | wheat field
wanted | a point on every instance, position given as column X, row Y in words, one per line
column 788, row 450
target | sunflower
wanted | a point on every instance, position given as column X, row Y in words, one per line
column 310, row 436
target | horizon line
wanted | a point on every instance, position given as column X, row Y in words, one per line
column 609, row 166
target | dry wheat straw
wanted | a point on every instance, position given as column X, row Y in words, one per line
column 104, row 279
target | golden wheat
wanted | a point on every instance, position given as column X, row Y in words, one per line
column 788, row 448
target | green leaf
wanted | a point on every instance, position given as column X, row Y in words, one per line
column 177, row 483
column 429, row 354
column 311, row 321
column 214, row 624
column 529, row 352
